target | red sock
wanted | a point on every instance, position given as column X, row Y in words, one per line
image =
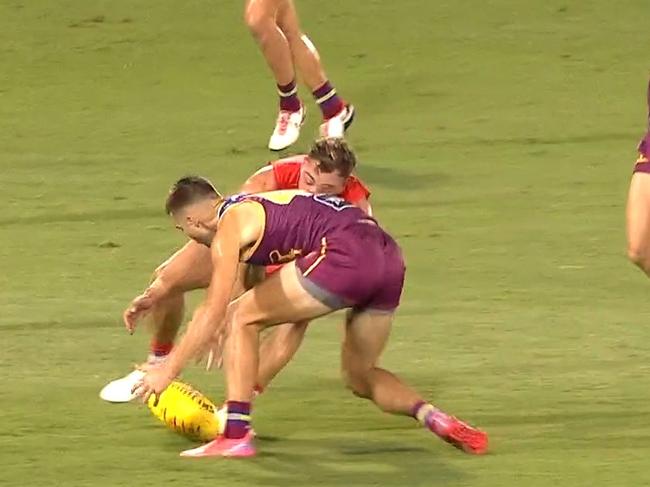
column 160, row 349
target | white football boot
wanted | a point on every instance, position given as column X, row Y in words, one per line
column 339, row 123
column 119, row 390
column 287, row 129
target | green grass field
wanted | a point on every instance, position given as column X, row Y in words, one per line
column 498, row 138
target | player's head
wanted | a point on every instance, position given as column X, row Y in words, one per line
column 328, row 166
column 191, row 202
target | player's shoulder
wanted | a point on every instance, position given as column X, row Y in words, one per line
column 287, row 171
column 281, row 196
column 231, row 202
column 289, row 163
column 355, row 190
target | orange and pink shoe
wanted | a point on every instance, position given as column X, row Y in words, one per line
column 225, row 447
column 462, row 436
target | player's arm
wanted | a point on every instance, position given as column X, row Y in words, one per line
column 262, row 180
column 240, row 228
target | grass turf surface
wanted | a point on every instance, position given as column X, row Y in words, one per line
column 498, row 138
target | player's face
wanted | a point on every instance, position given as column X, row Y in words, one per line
column 193, row 221
column 315, row 181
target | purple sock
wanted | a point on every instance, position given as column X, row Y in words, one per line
column 239, row 419
column 289, row 101
column 431, row 417
column 328, row 101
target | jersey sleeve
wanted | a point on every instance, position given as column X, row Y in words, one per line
column 355, row 190
column 286, row 173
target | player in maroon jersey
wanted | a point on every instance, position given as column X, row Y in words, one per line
column 339, row 258
column 190, row 268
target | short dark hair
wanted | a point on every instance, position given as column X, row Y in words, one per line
column 333, row 155
column 189, row 190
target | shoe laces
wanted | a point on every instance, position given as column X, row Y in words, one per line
column 283, row 122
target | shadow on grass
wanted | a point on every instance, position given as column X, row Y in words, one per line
column 343, row 461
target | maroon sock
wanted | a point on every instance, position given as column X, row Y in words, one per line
column 328, row 101
column 239, row 419
column 289, row 101
column 431, row 417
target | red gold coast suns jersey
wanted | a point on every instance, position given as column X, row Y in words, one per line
column 287, row 175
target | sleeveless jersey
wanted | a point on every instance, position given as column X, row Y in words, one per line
column 296, row 223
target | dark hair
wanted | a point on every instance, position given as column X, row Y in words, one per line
column 189, row 190
column 333, row 155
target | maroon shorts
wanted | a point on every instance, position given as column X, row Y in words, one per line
column 643, row 162
column 360, row 266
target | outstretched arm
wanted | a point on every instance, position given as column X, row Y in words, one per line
column 238, row 229
column 263, row 180
column 208, row 317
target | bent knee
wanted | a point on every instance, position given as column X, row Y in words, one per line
column 240, row 319
column 259, row 18
column 356, row 382
column 300, row 327
column 293, row 34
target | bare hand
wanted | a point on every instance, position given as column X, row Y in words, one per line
column 137, row 310
column 155, row 382
column 215, row 351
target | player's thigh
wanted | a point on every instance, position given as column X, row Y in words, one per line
column 366, row 335
column 258, row 11
column 638, row 214
column 187, row 269
column 287, row 18
column 281, row 298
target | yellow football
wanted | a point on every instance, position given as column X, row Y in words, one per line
column 186, row 411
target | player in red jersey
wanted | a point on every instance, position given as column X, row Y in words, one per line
column 190, row 268
column 274, row 25
column 638, row 205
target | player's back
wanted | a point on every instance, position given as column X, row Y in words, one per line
column 296, row 222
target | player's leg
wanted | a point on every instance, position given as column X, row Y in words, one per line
column 638, row 221
column 638, row 216
column 285, row 297
column 187, row 269
column 277, row 349
column 366, row 334
column 337, row 114
column 281, row 298
column 260, row 17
